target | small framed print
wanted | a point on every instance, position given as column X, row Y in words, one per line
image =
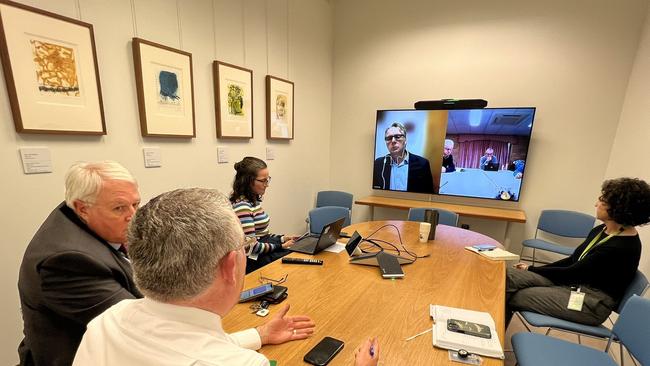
column 233, row 90
column 50, row 67
column 279, row 108
column 163, row 77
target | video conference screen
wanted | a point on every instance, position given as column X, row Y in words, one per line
column 480, row 153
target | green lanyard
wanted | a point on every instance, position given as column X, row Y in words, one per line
column 588, row 248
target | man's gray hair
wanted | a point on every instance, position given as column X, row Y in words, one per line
column 398, row 125
column 84, row 180
column 177, row 240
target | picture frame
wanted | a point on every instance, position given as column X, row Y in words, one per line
column 165, row 88
column 233, row 90
column 50, row 68
column 279, row 108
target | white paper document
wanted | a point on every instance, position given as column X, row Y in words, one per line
column 335, row 248
column 443, row 338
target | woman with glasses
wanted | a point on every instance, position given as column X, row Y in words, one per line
column 588, row 285
column 251, row 180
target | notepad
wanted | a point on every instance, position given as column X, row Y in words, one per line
column 496, row 254
column 443, row 338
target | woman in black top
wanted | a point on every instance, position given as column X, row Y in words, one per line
column 602, row 267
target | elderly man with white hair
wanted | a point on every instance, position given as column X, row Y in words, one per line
column 187, row 250
column 75, row 266
column 448, row 159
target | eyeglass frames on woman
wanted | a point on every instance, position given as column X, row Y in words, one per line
column 266, row 181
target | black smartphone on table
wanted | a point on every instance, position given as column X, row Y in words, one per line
column 469, row 328
column 255, row 292
column 324, row 351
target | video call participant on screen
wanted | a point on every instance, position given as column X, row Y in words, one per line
column 401, row 170
column 517, row 167
column 448, row 159
column 251, row 180
column 75, row 266
column 602, row 267
column 187, row 250
column 489, row 161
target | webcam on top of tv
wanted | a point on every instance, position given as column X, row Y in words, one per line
column 451, row 104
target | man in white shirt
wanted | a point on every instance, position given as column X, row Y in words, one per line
column 187, row 252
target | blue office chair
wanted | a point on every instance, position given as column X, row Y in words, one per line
column 334, row 198
column 321, row 216
column 568, row 224
column 445, row 217
column 637, row 287
column 632, row 329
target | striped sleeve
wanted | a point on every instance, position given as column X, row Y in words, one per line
column 255, row 223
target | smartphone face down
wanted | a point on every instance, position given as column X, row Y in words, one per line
column 469, row 328
column 324, row 351
column 255, row 292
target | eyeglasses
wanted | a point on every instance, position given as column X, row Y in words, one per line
column 398, row 137
column 282, row 279
column 266, row 181
column 249, row 243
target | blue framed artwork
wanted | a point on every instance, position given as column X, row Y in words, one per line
column 165, row 87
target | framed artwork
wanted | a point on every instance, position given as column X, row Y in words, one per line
column 233, row 89
column 279, row 108
column 163, row 77
column 50, row 67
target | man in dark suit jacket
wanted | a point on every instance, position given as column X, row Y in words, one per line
column 413, row 171
column 75, row 267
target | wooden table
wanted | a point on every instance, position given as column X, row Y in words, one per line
column 352, row 302
column 463, row 210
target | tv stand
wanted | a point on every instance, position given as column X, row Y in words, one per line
column 502, row 214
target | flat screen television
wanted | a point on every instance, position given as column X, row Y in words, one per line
column 479, row 153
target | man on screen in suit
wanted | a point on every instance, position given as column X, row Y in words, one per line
column 75, row 266
column 401, row 170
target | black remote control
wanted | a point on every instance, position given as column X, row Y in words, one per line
column 318, row 262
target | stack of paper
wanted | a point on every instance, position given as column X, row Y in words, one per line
column 446, row 339
column 496, row 254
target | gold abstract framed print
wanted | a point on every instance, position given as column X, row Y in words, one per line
column 279, row 108
column 233, row 89
column 163, row 78
column 50, row 68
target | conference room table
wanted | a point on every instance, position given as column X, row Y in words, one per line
column 352, row 302
column 479, row 183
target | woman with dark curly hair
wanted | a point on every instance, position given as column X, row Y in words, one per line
column 600, row 269
column 251, row 180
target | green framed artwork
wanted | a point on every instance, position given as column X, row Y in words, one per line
column 233, row 89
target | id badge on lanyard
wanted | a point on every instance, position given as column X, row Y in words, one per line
column 576, row 299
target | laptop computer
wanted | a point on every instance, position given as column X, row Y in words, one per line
column 313, row 245
column 368, row 259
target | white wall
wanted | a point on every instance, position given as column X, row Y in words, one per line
column 285, row 38
column 629, row 156
column 570, row 59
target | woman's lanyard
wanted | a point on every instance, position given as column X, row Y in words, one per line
column 594, row 244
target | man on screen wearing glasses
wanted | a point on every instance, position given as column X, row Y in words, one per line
column 401, row 170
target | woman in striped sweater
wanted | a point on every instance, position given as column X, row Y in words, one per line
column 251, row 180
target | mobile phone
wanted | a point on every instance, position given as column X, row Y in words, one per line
column 484, row 247
column 324, row 351
column 469, row 328
column 278, row 294
column 255, row 292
